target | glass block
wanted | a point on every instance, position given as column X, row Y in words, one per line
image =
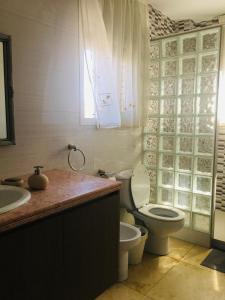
column 189, row 44
column 167, row 143
column 165, row 196
column 210, row 40
column 187, row 219
column 206, row 104
column 183, row 200
column 150, row 159
column 168, row 106
column 169, row 47
column 207, row 84
column 203, row 165
column 168, row 125
column 153, row 88
column 167, row 161
column 205, row 145
column 154, row 51
column 203, row 184
column 208, row 63
column 184, row 163
column 150, row 142
column 152, row 107
column 152, row 177
column 202, row 204
column 184, row 181
column 205, row 125
column 169, row 86
column 185, row 125
column 185, row 105
column 201, row 223
column 166, row 178
column 187, row 65
column 169, row 68
column 153, row 69
column 153, row 194
column 185, row 145
column 151, row 125
column 187, row 86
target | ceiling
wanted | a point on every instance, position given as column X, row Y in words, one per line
column 197, row 10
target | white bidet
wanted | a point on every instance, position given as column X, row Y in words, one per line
column 130, row 236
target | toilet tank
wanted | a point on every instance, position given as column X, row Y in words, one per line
column 126, row 199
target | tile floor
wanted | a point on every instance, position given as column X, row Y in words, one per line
column 178, row 276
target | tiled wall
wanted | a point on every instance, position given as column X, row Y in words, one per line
column 160, row 24
column 220, row 182
column 46, row 85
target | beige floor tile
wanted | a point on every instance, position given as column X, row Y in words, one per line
column 196, row 255
column 144, row 276
column 178, row 248
column 185, row 282
column 121, row 292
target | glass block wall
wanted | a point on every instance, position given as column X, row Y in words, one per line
column 179, row 129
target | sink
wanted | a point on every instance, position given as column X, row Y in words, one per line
column 12, row 197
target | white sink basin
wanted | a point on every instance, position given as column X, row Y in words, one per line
column 11, row 197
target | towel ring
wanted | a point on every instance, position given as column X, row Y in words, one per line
column 74, row 148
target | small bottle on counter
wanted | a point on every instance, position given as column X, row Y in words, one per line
column 38, row 181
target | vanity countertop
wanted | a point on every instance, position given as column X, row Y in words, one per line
column 66, row 189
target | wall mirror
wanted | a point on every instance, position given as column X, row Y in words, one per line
column 7, row 135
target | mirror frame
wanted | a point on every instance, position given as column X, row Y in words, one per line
column 7, row 56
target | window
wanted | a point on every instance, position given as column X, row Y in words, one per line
column 87, row 102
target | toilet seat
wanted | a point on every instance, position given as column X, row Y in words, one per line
column 162, row 212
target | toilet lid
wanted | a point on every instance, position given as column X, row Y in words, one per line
column 140, row 186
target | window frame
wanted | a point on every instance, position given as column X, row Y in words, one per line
column 83, row 119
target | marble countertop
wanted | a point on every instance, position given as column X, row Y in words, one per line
column 66, row 189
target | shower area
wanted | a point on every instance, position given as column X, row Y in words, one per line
column 181, row 90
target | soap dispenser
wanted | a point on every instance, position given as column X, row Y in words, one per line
column 38, row 181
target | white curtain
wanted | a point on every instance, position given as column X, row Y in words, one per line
column 115, row 34
column 98, row 57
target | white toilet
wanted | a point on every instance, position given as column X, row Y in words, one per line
column 129, row 238
column 159, row 219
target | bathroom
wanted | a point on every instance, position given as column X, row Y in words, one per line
column 52, row 109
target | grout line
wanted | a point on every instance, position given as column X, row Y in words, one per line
column 156, row 283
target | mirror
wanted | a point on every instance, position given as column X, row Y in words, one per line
column 7, row 136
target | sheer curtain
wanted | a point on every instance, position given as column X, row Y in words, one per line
column 98, row 58
column 116, row 33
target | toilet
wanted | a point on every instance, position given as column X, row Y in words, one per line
column 130, row 237
column 161, row 220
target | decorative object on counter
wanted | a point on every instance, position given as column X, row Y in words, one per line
column 126, row 217
column 38, row 181
column 74, row 148
column 13, row 181
column 104, row 174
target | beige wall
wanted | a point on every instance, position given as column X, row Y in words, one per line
column 46, row 85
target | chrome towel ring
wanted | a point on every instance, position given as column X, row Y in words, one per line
column 74, row 148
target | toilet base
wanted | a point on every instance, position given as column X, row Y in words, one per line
column 157, row 245
column 123, row 266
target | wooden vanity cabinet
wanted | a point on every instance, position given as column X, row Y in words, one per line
column 72, row 255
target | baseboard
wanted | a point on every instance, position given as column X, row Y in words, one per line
column 195, row 237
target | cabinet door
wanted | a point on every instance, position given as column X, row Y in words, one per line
column 31, row 261
column 91, row 241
